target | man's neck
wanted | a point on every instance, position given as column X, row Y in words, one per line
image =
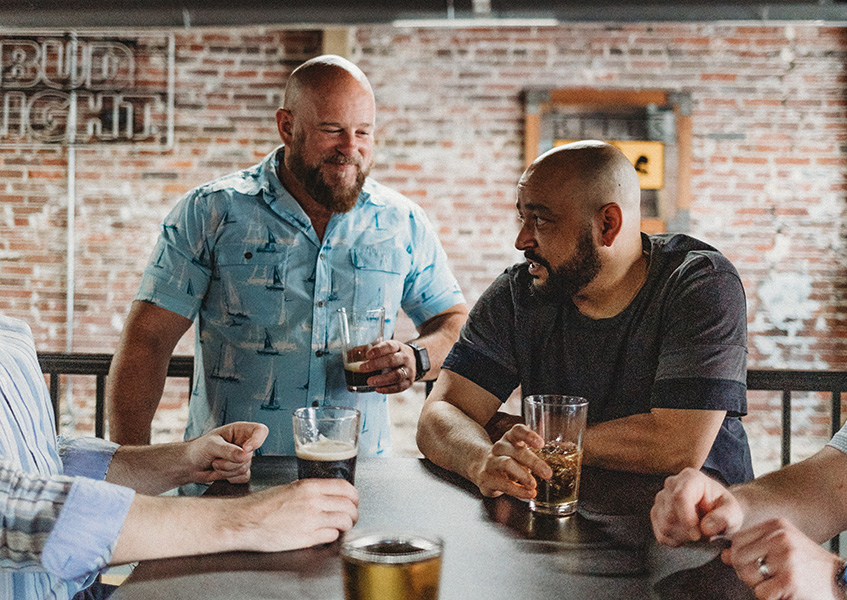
column 317, row 213
column 610, row 293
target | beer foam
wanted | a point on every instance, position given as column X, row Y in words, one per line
column 326, row 450
column 355, row 367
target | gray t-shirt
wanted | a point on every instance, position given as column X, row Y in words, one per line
column 839, row 440
column 681, row 343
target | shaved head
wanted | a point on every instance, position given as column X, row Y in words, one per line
column 587, row 175
column 320, row 74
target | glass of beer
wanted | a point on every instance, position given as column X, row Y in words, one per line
column 360, row 331
column 326, row 441
column 560, row 421
column 391, row 566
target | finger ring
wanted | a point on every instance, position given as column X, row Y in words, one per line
column 405, row 372
column 764, row 569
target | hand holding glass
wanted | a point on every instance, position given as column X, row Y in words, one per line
column 560, row 421
column 360, row 331
column 326, row 441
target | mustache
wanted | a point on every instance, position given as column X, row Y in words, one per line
column 342, row 160
column 531, row 256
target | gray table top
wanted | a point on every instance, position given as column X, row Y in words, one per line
column 494, row 548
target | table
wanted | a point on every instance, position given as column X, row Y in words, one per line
column 494, row 548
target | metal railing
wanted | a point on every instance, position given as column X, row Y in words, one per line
column 56, row 364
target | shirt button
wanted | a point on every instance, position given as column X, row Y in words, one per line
column 319, row 353
column 315, row 403
column 323, row 256
column 320, row 303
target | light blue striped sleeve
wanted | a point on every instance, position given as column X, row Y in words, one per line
column 86, row 457
column 87, row 530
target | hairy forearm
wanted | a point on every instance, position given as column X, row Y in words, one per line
column 659, row 442
column 163, row 527
column 439, row 334
column 150, row 469
column 452, row 440
column 812, row 494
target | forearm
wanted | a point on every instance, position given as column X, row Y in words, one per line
column 659, row 442
column 812, row 494
column 139, row 368
column 439, row 334
column 452, row 440
column 168, row 526
column 150, row 469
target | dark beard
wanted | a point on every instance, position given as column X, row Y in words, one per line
column 568, row 279
column 334, row 198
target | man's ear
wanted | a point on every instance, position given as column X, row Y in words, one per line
column 610, row 219
column 284, row 125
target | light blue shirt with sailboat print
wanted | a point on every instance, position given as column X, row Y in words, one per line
column 239, row 256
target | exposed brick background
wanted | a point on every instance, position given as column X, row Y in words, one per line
column 768, row 179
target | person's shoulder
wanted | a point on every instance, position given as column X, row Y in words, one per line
column 682, row 251
column 13, row 326
column 386, row 197
column 247, row 182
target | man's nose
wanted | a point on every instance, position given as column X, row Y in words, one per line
column 525, row 238
column 347, row 143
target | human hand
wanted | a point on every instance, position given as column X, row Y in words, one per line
column 509, row 466
column 398, row 360
column 795, row 567
column 298, row 515
column 225, row 452
column 693, row 506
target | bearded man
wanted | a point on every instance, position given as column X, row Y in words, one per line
column 261, row 260
column 651, row 329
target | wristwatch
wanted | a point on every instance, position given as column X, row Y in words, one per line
column 841, row 579
column 421, row 360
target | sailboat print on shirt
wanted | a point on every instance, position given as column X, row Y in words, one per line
column 276, row 284
column 233, row 306
column 224, row 368
column 271, row 401
column 269, row 345
column 270, row 245
column 158, row 264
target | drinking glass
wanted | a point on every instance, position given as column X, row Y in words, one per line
column 326, row 441
column 560, row 421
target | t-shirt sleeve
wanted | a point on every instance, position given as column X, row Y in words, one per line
column 430, row 287
column 703, row 356
column 839, row 440
column 179, row 270
column 485, row 352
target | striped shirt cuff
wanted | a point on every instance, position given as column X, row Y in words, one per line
column 85, row 534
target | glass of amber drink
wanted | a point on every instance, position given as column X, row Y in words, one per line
column 560, row 421
column 391, row 566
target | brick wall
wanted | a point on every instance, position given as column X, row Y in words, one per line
column 768, row 178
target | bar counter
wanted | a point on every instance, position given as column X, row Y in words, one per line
column 494, row 548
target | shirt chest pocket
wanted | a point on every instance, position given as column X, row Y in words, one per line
column 379, row 274
column 248, row 277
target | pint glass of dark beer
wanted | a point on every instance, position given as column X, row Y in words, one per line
column 391, row 566
column 360, row 331
column 326, row 441
column 560, row 421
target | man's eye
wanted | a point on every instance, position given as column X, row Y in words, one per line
column 540, row 220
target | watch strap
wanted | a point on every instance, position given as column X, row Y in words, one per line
column 422, row 365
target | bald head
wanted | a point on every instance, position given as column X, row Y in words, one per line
column 322, row 74
column 586, row 175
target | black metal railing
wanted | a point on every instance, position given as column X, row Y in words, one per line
column 56, row 364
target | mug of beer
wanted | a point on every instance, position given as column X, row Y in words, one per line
column 391, row 566
column 360, row 331
column 560, row 421
column 326, row 441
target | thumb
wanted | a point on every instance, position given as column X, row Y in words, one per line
column 257, row 437
column 726, row 517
